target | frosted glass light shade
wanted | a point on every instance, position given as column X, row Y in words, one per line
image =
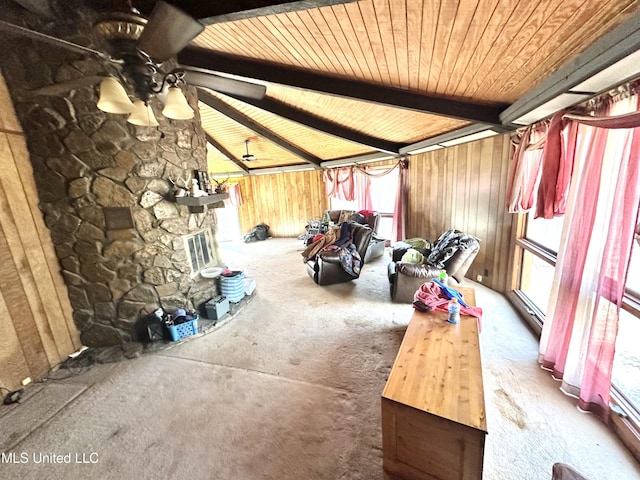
column 176, row 106
column 142, row 115
column 113, row 97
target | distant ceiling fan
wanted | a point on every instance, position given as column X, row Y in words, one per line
column 140, row 52
column 247, row 157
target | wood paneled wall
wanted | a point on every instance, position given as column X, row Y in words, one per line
column 284, row 201
column 36, row 326
column 461, row 187
column 464, row 187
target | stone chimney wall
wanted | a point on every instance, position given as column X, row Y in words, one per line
column 105, row 192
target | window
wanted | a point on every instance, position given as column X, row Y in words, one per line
column 200, row 250
column 538, row 249
column 383, row 198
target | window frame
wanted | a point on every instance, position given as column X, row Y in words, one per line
column 201, row 237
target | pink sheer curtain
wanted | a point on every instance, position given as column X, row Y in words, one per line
column 578, row 337
column 235, row 197
column 524, row 175
column 398, row 228
column 363, row 191
column 554, row 161
column 339, row 183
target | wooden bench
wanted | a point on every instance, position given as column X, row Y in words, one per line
column 433, row 413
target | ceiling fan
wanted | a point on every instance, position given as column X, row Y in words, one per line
column 141, row 51
column 248, row 157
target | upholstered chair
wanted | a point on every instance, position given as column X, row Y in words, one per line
column 406, row 278
column 325, row 268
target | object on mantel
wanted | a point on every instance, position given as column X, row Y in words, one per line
column 197, row 204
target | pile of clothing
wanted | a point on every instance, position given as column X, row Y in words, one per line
column 337, row 238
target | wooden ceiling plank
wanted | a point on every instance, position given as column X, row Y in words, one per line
column 334, row 44
column 318, row 35
column 226, row 37
column 218, row 146
column 498, row 14
column 383, row 20
column 360, row 35
column 375, row 43
column 446, row 24
column 430, row 14
column 479, row 29
column 209, row 13
column 317, row 123
column 414, row 40
column 288, row 42
column 342, row 87
column 458, row 49
column 398, row 22
column 308, row 139
column 392, row 124
column 549, row 59
column 513, row 37
column 307, row 45
column 249, row 123
column 547, row 24
column 309, row 31
column 344, row 36
column 272, row 42
column 606, row 51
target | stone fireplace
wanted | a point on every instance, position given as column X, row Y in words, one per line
column 106, row 193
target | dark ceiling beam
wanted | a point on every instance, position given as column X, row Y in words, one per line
column 215, row 144
column 218, row 105
column 209, row 13
column 325, row 126
column 355, row 89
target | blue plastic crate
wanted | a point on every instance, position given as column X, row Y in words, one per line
column 183, row 330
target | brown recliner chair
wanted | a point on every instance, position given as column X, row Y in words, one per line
column 377, row 243
column 325, row 267
column 454, row 252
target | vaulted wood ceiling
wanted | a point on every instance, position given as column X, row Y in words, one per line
column 347, row 78
column 348, row 66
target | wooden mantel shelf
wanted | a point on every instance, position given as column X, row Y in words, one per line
column 204, row 200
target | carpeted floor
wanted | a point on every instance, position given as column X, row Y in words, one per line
column 289, row 389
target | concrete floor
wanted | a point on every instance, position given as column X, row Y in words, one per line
column 289, row 388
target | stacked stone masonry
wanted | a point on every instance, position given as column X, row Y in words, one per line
column 85, row 161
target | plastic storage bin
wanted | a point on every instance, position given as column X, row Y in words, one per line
column 249, row 286
column 232, row 286
column 183, row 330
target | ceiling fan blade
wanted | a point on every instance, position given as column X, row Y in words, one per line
column 74, row 47
column 167, row 32
column 225, row 84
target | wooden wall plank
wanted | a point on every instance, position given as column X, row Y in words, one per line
column 14, row 364
column 20, row 313
column 41, row 253
column 284, row 201
column 36, row 322
column 464, row 187
column 22, row 288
